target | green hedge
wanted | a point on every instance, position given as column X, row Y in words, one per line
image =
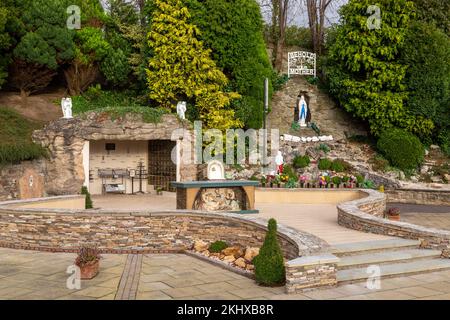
column 401, row 148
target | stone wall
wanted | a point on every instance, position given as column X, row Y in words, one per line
column 65, row 230
column 419, row 196
column 65, row 140
column 24, row 180
column 367, row 215
column 311, row 272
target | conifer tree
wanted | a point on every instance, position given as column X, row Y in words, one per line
column 182, row 68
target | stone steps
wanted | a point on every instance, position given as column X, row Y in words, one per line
column 394, row 257
column 387, row 257
column 394, row 270
column 357, row 248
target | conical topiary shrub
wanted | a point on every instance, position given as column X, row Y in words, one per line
column 88, row 202
column 269, row 264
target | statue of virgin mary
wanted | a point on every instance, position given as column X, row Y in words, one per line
column 303, row 112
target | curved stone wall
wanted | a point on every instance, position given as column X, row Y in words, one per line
column 420, row 196
column 142, row 232
column 367, row 215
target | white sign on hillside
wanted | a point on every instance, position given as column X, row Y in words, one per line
column 302, row 63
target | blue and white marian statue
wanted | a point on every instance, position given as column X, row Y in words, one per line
column 303, row 110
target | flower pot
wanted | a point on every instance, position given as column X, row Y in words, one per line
column 89, row 271
column 394, row 217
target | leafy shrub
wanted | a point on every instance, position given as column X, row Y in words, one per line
column 280, row 81
column 301, row 161
column 292, row 183
column 323, row 147
column 401, row 148
column 369, row 184
column 359, row 179
column 338, row 166
column 88, row 202
column 290, row 172
column 295, row 126
column 336, row 180
column 14, row 153
column 218, row 246
column 269, row 264
column 325, row 164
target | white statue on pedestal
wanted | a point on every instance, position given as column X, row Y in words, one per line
column 181, row 109
column 66, row 105
column 303, row 111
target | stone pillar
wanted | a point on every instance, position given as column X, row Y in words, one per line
column 311, row 272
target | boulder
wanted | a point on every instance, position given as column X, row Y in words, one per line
column 251, row 253
column 229, row 259
column 233, row 251
column 240, row 263
column 200, row 245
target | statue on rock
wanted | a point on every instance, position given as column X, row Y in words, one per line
column 303, row 111
column 66, row 105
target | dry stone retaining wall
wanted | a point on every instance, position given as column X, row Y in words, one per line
column 419, row 196
column 367, row 215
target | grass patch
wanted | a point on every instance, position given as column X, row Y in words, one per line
column 15, row 138
column 115, row 104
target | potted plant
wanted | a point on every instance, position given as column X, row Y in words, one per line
column 303, row 180
column 336, row 181
column 277, row 181
column 345, row 181
column 159, row 191
column 263, row 181
column 88, row 260
column 393, row 214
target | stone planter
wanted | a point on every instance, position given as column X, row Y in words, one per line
column 89, row 271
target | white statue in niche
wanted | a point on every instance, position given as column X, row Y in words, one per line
column 216, row 170
column 66, row 105
column 303, row 111
column 181, row 109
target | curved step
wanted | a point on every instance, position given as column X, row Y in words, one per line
column 393, row 270
column 385, row 257
column 365, row 247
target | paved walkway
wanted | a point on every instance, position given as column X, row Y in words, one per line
column 36, row 275
column 320, row 220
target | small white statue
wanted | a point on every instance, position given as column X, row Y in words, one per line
column 303, row 110
column 66, row 105
column 181, row 109
column 279, row 161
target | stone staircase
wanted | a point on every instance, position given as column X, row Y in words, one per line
column 395, row 257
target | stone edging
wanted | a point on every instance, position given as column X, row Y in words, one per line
column 367, row 215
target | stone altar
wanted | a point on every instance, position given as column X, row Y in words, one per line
column 217, row 196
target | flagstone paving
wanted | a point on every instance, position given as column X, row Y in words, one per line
column 39, row 275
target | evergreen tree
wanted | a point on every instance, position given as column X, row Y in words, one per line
column 181, row 68
column 364, row 70
column 269, row 264
column 233, row 30
column 46, row 43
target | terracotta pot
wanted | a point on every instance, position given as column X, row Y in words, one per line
column 89, row 271
column 394, row 217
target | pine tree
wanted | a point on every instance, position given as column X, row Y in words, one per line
column 181, row 68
